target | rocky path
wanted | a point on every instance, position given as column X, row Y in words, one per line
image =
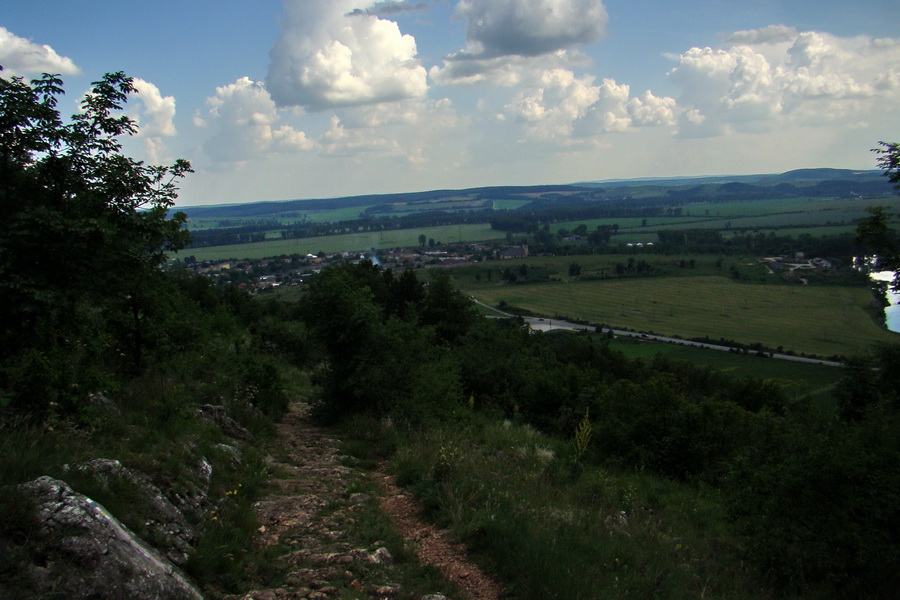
column 314, row 511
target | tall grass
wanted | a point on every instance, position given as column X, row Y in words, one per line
column 554, row 529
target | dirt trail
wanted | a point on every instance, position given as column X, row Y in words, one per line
column 312, row 508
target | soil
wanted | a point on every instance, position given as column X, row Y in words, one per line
column 311, row 513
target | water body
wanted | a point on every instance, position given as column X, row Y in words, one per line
column 891, row 312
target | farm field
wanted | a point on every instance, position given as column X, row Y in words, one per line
column 800, row 212
column 352, row 242
column 821, row 320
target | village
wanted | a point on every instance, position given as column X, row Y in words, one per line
column 256, row 275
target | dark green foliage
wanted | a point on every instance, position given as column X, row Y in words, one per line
column 378, row 334
column 869, row 385
column 820, row 508
column 263, row 387
column 83, row 232
column 889, row 161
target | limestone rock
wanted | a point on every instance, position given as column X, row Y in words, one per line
column 87, row 552
column 217, row 415
column 165, row 526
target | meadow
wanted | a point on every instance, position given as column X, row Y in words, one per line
column 820, row 216
column 351, row 242
column 820, row 320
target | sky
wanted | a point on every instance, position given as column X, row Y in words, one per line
column 287, row 99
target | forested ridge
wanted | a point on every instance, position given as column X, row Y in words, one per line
column 570, row 470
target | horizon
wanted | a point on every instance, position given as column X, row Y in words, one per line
column 573, row 184
column 340, row 98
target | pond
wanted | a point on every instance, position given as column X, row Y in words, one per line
column 892, row 311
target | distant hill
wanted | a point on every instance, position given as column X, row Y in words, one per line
column 274, row 208
column 814, row 182
column 797, row 176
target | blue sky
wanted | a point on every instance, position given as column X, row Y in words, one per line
column 281, row 99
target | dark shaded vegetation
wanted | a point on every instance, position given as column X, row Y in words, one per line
column 105, row 355
column 810, row 496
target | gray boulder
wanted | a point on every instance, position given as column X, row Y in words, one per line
column 87, row 553
column 218, row 416
column 164, row 525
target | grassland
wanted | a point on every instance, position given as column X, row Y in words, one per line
column 824, row 215
column 352, row 242
column 822, row 320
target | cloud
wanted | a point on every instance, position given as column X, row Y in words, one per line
column 505, row 71
column 391, row 8
column 244, row 120
column 418, row 131
column 158, row 111
column 155, row 116
column 777, row 76
column 20, row 56
column 567, row 109
column 530, row 27
column 506, row 37
column 771, row 34
column 329, row 56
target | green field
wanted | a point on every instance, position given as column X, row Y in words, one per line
column 351, row 242
column 822, row 320
column 800, row 213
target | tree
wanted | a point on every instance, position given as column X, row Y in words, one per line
column 889, row 161
column 83, row 232
column 873, row 231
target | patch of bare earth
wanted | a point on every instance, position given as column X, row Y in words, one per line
column 312, row 512
column 435, row 546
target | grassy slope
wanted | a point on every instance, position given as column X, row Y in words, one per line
column 511, row 494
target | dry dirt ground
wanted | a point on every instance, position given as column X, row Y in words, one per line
column 313, row 509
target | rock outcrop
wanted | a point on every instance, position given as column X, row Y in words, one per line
column 82, row 552
column 165, row 526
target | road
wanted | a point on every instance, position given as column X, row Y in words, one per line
column 543, row 324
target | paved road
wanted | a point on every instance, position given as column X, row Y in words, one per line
column 542, row 324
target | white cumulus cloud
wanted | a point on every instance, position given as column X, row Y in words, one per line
column 154, row 114
column 156, row 119
column 417, row 131
column 245, row 122
column 20, row 56
column 776, row 76
column 334, row 53
column 567, row 109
